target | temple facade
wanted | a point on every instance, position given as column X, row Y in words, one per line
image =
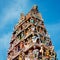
column 30, row 39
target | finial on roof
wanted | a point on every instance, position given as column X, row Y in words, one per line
column 22, row 14
column 35, row 7
column 22, row 17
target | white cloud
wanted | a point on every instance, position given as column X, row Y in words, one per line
column 4, row 40
column 4, row 45
column 58, row 54
column 53, row 27
column 8, row 16
column 12, row 11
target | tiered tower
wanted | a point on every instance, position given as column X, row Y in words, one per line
column 30, row 40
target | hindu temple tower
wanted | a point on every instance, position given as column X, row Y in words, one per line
column 30, row 39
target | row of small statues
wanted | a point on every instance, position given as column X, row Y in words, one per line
column 35, row 54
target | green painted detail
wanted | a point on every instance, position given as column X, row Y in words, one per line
column 32, row 21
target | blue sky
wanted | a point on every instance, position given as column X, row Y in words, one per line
column 10, row 13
